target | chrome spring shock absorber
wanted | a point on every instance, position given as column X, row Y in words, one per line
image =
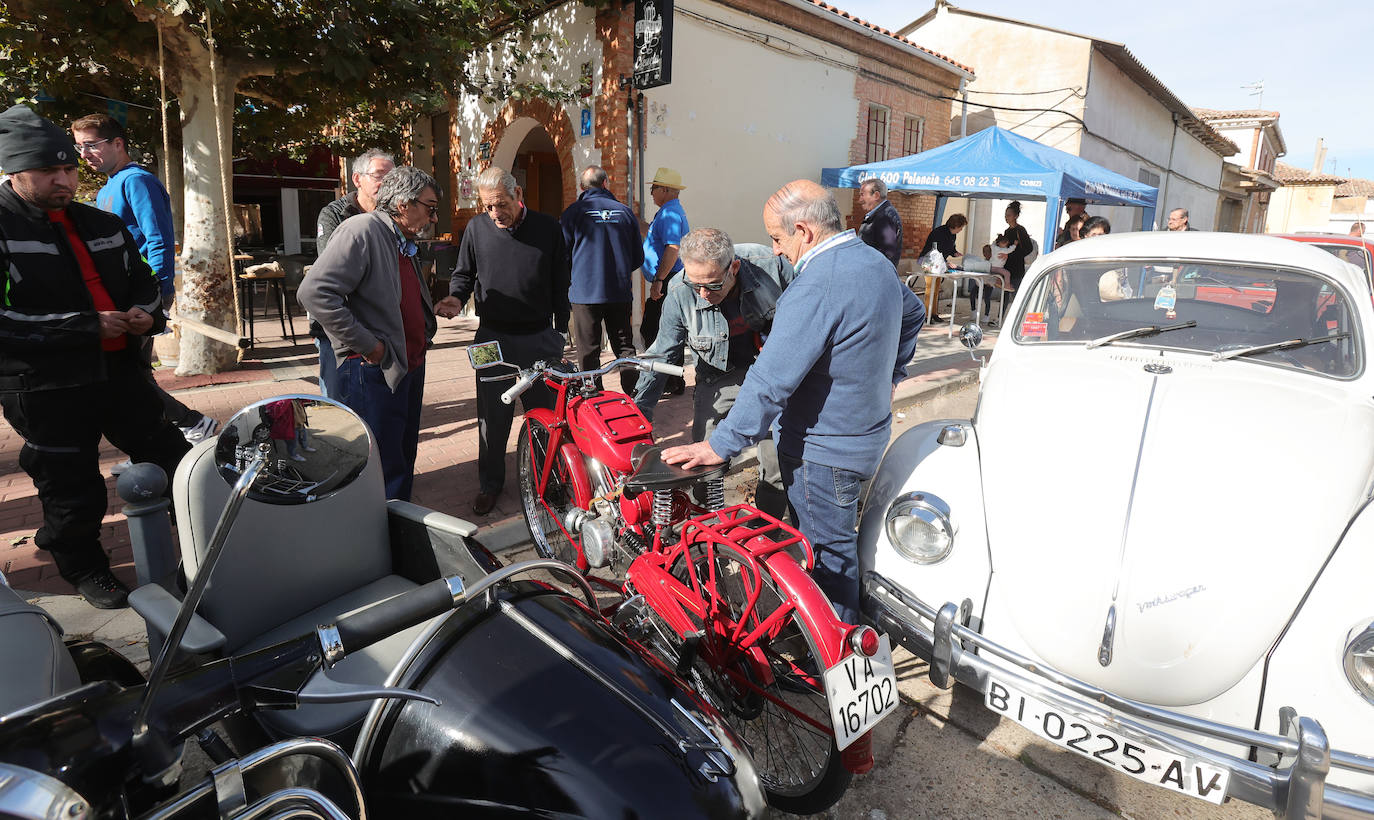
column 715, row 494
column 663, row 508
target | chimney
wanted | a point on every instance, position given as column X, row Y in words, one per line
column 1319, row 158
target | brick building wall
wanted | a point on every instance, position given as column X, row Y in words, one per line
column 904, row 94
column 615, row 31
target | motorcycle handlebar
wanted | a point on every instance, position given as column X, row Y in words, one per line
column 519, row 387
column 664, row 368
column 389, row 617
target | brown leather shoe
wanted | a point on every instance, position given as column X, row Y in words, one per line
column 483, row 503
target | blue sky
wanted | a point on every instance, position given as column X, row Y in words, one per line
column 1316, row 58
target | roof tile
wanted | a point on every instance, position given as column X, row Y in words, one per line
column 1241, row 114
column 1356, row 187
column 1293, row 175
column 879, row 29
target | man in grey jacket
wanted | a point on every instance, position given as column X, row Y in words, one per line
column 722, row 306
column 367, row 293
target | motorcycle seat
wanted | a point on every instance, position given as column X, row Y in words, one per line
column 652, row 473
column 34, row 663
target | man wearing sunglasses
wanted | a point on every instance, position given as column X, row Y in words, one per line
column 367, row 292
column 722, row 305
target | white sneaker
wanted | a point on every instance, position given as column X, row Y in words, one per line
column 201, row 430
column 298, row 457
column 310, row 449
column 121, row 466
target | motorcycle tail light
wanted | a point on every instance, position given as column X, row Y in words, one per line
column 1359, row 661
column 864, row 640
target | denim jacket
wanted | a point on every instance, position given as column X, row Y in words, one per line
column 690, row 320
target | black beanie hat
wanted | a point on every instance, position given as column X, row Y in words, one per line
column 28, row 141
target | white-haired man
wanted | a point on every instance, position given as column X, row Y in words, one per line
column 882, row 225
column 844, row 332
column 514, row 263
column 367, row 292
column 369, row 169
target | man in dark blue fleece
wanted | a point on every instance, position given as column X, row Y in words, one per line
column 602, row 236
column 843, row 334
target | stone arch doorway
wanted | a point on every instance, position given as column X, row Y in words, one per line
column 540, row 174
column 534, row 141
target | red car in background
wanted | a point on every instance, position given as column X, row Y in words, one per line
column 1356, row 250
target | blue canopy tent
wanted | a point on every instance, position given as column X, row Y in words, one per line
column 997, row 164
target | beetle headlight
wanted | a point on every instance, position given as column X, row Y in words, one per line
column 1359, row 661
column 918, row 527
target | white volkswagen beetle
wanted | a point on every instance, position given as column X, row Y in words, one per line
column 1152, row 543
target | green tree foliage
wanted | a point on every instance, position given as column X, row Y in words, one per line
column 284, row 75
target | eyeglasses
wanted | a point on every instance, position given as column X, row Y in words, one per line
column 85, row 147
column 711, row 286
column 377, row 175
column 433, row 209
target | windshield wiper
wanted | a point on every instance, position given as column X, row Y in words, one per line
column 1151, row 330
column 1288, row 344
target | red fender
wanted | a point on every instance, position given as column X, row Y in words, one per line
column 812, row 605
column 571, row 459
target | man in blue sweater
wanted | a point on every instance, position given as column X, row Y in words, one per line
column 844, row 331
column 602, row 238
column 137, row 197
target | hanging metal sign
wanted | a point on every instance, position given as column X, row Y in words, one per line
column 653, row 43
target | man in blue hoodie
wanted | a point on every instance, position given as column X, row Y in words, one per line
column 602, row 237
column 842, row 336
column 134, row 195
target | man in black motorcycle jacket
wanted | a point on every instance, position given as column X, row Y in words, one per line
column 75, row 289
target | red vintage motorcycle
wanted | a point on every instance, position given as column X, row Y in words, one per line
column 721, row 593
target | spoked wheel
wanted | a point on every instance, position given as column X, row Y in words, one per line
column 774, row 698
column 545, row 513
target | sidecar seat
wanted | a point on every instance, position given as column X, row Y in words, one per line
column 287, row 569
column 34, row 663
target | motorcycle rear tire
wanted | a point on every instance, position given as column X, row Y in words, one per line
column 544, row 517
column 800, row 767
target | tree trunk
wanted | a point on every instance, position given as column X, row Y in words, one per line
column 173, row 178
column 206, row 291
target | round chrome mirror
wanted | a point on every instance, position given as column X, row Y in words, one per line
column 312, row 447
column 971, row 335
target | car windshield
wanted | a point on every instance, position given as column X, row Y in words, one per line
column 1234, row 312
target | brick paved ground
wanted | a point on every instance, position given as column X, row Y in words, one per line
column 446, row 469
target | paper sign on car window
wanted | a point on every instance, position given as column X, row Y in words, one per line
column 1033, row 326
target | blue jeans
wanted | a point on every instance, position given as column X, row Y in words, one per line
column 393, row 418
column 329, row 371
column 826, row 502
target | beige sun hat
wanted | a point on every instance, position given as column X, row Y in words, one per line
column 669, row 178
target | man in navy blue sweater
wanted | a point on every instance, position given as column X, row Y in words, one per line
column 844, row 331
column 602, row 237
column 137, row 197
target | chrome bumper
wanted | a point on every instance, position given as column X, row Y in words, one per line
column 1296, row 788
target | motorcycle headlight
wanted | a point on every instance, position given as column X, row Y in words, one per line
column 1359, row 661
column 918, row 527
